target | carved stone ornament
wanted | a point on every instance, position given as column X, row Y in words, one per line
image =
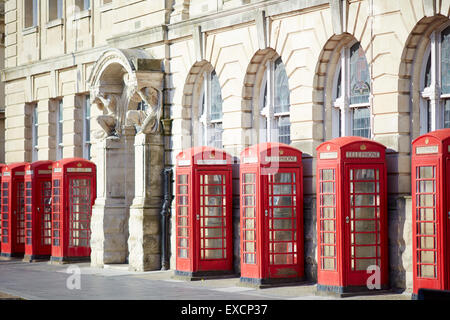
column 120, row 77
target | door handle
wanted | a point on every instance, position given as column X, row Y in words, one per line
column 198, row 217
column 266, row 213
column 448, row 214
column 347, row 219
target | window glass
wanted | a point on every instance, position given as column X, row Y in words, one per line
column 361, row 122
column 359, row 76
column 445, row 61
column 281, row 103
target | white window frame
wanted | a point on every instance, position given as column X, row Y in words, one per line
column 86, row 127
column 59, row 10
column 207, row 126
column 342, row 111
column 59, row 129
column 266, row 116
column 432, row 94
column 34, row 14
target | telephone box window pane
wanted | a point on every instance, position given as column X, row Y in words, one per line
column 328, row 264
column 364, row 213
column 426, row 243
column 366, row 238
column 249, row 212
column 282, row 213
column 182, row 179
column 281, row 178
column 426, row 186
column 327, row 187
column 426, row 200
column 427, row 271
column 425, row 172
column 182, row 253
column 211, row 190
column 328, row 238
column 249, row 178
column 328, row 251
column 426, row 228
column 363, row 264
column 427, row 257
column 327, row 213
column 426, row 214
column 327, row 174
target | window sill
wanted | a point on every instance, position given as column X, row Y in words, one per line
column 82, row 14
column 54, row 23
column 30, row 30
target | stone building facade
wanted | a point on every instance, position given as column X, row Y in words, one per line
column 229, row 73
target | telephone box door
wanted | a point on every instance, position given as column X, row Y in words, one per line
column 281, row 225
column 79, row 215
column 183, row 216
column 213, row 219
column 363, row 222
column 426, row 230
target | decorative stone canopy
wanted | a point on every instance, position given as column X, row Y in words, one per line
column 120, row 79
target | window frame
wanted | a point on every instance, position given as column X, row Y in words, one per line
column 59, row 11
column 208, row 126
column 342, row 111
column 86, row 127
column 432, row 100
column 266, row 117
column 34, row 14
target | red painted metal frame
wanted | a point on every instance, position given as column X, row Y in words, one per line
column 64, row 172
column 364, row 154
column 261, row 161
column 432, row 150
column 1, row 169
column 192, row 164
column 13, row 244
column 37, row 175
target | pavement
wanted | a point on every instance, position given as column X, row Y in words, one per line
column 44, row 281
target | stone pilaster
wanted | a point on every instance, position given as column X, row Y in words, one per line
column 144, row 223
column 109, row 213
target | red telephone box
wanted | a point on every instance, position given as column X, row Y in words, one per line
column 271, row 179
column 38, row 210
column 203, row 213
column 430, row 184
column 351, row 193
column 1, row 169
column 73, row 195
column 13, row 210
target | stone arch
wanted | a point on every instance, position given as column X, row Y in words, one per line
column 252, row 82
column 412, row 58
column 324, row 76
column 191, row 100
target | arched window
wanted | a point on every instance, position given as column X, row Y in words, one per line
column 351, row 114
column 210, row 112
column 435, row 83
column 273, row 117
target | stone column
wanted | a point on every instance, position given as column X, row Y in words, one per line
column 109, row 213
column 144, row 224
